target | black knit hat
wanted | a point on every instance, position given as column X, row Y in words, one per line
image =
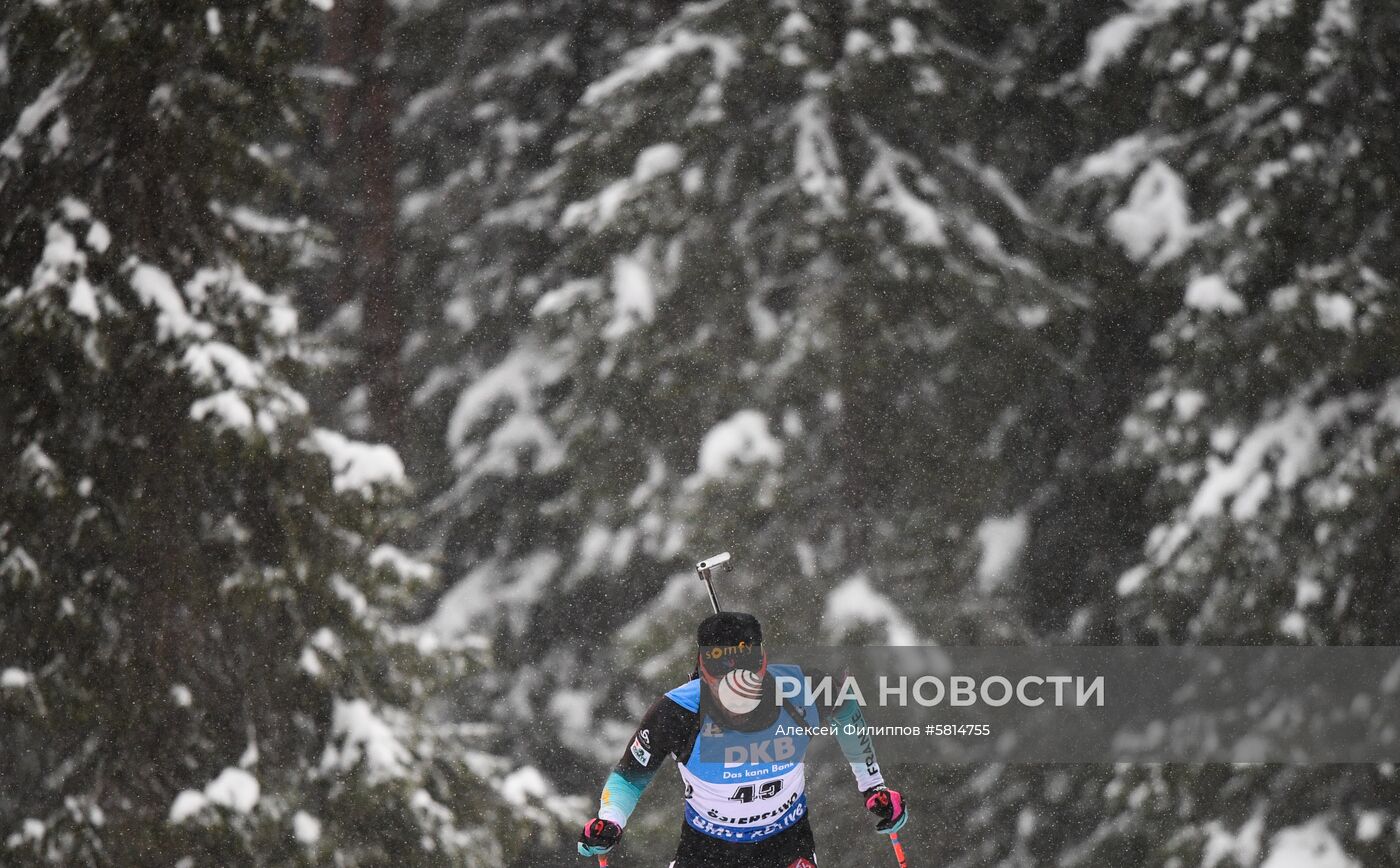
column 725, row 629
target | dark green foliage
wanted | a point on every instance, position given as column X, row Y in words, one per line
column 966, row 323
column 938, row 266
column 202, row 656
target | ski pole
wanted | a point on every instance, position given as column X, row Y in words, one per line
column 898, row 850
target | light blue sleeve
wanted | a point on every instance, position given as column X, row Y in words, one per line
column 857, row 745
column 620, row 796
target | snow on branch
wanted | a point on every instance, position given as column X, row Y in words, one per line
column 734, row 445
column 155, row 288
column 1110, row 42
column 643, row 63
column 815, row 157
column 515, row 383
column 1154, row 225
column 855, row 604
column 362, row 735
column 599, row 211
column 49, row 100
column 923, row 225
column 234, row 789
column 1275, row 456
column 358, row 467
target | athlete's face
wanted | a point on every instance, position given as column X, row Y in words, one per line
column 734, row 675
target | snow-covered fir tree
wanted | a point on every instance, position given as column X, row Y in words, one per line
column 201, row 653
column 799, row 300
column 735, row 210
column 790, row 302
column 488, row 91
column 1063, row 320
column 1252, row 185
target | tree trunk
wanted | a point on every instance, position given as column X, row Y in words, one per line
column 359, row 129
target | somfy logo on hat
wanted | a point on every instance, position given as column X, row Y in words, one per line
column 717, row 652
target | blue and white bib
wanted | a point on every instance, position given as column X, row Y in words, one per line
column 745, row 786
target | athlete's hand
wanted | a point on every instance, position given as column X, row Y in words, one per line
column 598, row 837
column 888, row 805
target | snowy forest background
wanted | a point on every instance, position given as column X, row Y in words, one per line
column 375, row 371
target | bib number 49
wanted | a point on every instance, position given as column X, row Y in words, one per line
column 749, row 793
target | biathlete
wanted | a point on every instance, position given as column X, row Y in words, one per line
column 740, row 754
